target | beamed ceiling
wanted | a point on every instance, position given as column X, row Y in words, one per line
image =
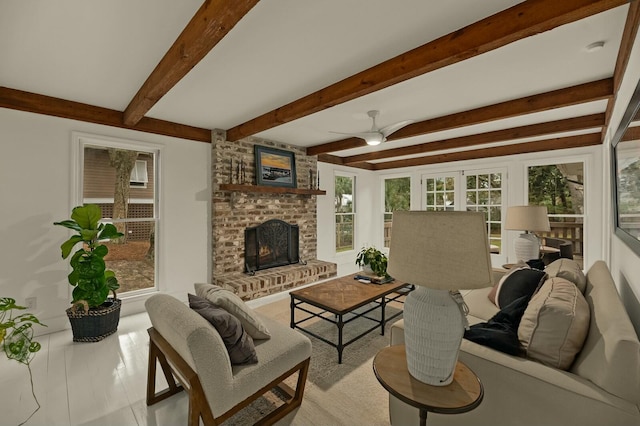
column 478, row 79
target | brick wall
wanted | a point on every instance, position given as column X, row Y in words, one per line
column 235, row 211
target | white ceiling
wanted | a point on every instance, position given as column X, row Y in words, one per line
column 100, row 53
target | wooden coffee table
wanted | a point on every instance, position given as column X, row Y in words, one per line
column 341, row 296
column 463, row 394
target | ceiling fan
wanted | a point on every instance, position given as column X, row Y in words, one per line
column 376, row 136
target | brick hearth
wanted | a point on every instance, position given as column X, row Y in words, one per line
column 275, row 280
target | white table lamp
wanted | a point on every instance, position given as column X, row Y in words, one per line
column 530, row 219
column 440, row 253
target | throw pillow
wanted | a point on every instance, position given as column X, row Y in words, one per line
column 522, row 282
column 236, row 307
column 238, row 343
column 555, row 324
column 568, row 269
column 494, row 289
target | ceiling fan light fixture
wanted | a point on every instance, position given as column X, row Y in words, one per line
column 373, row 140
column 376, row 136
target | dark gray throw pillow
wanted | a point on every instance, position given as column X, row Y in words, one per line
column 238, row 343
column 523, row 282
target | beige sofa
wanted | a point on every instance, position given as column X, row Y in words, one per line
column 602, row 386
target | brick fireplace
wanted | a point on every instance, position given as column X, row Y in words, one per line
column 236, row 210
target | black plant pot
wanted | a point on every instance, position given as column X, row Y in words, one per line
column 96, row 323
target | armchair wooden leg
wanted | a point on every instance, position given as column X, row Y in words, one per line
column 155, row 356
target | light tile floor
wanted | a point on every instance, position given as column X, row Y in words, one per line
column 102, row 383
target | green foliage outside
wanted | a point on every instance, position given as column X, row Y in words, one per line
column 549, row 187
column 397, row 194
column 344, row 194
column 629, row 189
column 345, row 214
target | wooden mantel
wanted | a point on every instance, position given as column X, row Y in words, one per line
column 270, row 189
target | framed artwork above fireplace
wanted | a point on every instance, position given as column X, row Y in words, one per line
column 275, row 167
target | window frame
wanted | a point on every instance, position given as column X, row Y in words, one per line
column 460, row 193
column 631, row 111
column 353, row 214
column 503, row 204
column 585, row 159
column 82, row 140
column 137, row 182
column 383, row 197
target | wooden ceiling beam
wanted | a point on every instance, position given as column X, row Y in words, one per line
column 331, row 159
column 624, row 53
column 533, row 130
column 41, row 104
column 632, row 134
column 626, row 44
column 211, row 23
column 588, row 92
column 518, row 22
column 499, row 151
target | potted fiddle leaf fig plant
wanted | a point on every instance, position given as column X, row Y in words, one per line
column 374, row 260
column 16, row 338
column 93, row 315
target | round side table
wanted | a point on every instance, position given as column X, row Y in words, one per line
column 463, row 394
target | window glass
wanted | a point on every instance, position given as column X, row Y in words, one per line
column 628, row 186
column 484, row 194
column 439, row 192
column 123, row 183
column 397, row 196
column 345, row 212
column 560, row 187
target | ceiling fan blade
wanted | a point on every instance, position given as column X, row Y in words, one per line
column 363, row 135
column 386, row 131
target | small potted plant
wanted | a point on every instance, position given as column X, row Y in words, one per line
column 16, row 338
column 372, row 260
column 93, row 315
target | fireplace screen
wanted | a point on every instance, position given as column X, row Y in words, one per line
column 270, row 244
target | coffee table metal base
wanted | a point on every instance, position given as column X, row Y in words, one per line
column 339, row 320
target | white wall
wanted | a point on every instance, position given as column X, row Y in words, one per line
column 624, row 263
column 35, row 190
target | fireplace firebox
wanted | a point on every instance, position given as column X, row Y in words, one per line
column 270, row 244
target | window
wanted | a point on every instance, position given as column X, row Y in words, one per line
column 560, row 187
column 477, row 191
column 484, row 194
column 122, row 180
column 439, row 193
column 139, row 176
column 397, row 196
column 628, row 187
column 345, row 212
column 626, row 175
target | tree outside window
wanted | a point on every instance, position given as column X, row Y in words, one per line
column 110, row 179
column 344, row 200
column 397, row 196
column 560, row 187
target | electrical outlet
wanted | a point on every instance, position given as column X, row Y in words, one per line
column 31, row 302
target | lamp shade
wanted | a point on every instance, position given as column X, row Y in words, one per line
column 527, row 218
column 443, row 250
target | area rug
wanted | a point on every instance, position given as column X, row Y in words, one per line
column 335, row 393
